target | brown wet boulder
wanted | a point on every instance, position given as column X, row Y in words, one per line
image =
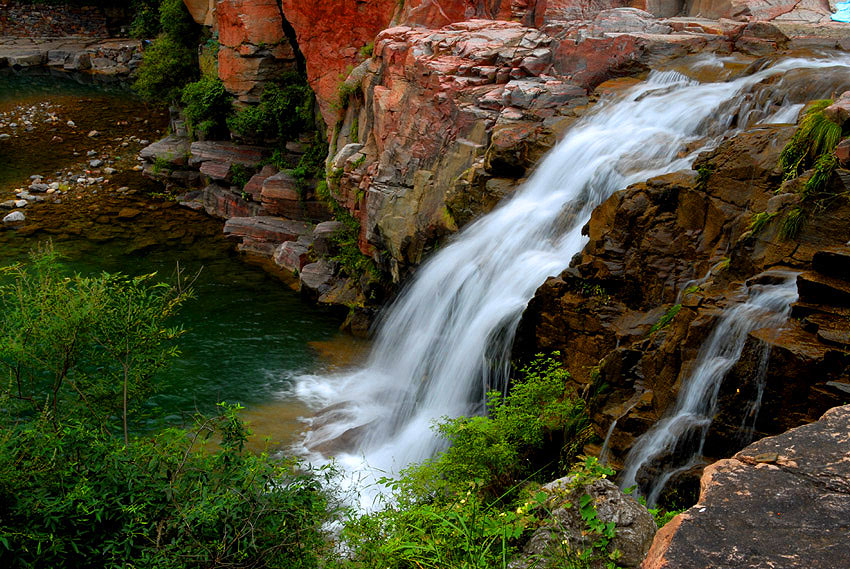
column 783, row 502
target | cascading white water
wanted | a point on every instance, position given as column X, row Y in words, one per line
column 446, row 340
column 767, row 306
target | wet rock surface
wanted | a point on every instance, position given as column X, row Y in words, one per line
column 686, row 241
column 783, row 501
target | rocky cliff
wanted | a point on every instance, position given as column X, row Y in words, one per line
column 664, row 259
column 433, row 120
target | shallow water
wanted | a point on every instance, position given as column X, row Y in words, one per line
column 247, row 332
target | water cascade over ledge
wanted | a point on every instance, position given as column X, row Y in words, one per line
column 682, row 432
column 446, row 341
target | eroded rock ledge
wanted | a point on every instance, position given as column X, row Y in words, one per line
column 783, row 502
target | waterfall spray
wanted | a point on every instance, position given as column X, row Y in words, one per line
column 446, row 341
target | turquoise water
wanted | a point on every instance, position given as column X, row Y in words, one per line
column 247, row 332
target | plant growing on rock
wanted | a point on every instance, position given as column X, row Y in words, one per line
column 284, row 112
column 171, row 60
column 206, row 105
column 815, row 137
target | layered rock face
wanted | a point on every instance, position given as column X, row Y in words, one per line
column 254, row 48
column 433, row 121
column 687, row 240
column 781, row 502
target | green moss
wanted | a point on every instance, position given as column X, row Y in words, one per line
column 666, row 319
column 792, row 223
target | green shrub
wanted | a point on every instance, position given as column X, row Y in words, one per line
column 170, row 62
column 79, row 498
column 496, row 451
column 206, row 105
column 176, row 22
column 284, row 112
column 76, row 353
column 145, row 22
column 166, row 66
column 82, row 348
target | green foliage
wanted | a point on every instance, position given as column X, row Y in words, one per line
column 79, row 498
column 759, row 221
column 354, row 131
column 463, row 530
column 815, row 136
column 496, row 450
column 82, row 348
column 824, row 167
column 344, row 93
column 167, row 65
column 170, row 62
column 284, row 112
column 239, row 175
column 311, row 166
column 347, row 240
column 146, row 19
column 792, row 223
column 666, row 318
column 77, row 353
column 367, row 50
column 206, row 105
column 704, row 172
column 176, row 22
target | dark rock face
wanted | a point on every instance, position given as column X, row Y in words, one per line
column 25, row 19
column 783, row 502
column 686, row 240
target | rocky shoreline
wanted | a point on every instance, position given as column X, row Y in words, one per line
column 97, row 56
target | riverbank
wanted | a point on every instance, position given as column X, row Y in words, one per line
column 72, row 159
column 107, row 57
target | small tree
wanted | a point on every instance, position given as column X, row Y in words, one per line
column 82, row 347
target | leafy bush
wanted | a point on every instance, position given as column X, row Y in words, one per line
column 284, row 112
column 145, row 19
column 176, row 22
column 82, row 348
column 78, row 498
column 170, row 62
column 166, row 66
column 75, row 350
column 207, row 104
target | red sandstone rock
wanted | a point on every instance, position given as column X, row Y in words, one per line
column 202, row 11
column 254, row 48
column 839, row 111
column 331, row 34
column 266, row 228
column 206, row 150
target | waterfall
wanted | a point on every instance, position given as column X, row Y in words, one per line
column 446, row 340
column 683, row 431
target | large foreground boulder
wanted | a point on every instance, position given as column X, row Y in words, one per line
column 783, row 501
